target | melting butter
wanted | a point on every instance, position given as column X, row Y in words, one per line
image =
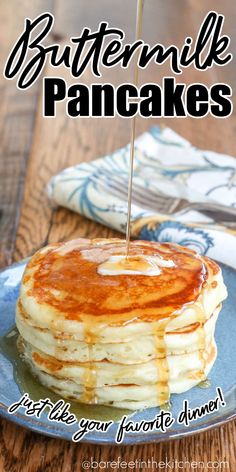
column 134, row 265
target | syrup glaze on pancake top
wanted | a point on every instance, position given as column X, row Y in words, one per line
column 64, row 295
column 66, row 278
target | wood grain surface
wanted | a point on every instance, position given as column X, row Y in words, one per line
column 32, row 149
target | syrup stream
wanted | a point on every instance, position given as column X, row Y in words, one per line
column 139, row 22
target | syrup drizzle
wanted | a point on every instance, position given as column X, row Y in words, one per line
column 90, row 373
column 163, row 392
column 89, row 395
column 201, row 318
column 139, row 22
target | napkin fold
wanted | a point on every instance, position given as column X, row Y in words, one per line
column 165, row 161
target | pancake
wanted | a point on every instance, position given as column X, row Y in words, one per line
column 103, row 329
column 125, row 387
column 141, row 349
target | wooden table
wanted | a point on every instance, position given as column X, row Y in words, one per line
column 33, row 149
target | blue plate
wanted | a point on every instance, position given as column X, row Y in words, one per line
column 223, row 375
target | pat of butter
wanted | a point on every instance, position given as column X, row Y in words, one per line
column 134, row 265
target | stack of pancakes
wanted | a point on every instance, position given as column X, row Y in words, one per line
column 124, row 340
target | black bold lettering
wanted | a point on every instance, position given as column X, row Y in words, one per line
column 223, row 105
column 54, row 91
column 173, row 105
column 150, row 106
column 79, row 106
column 102, row 100
column 124, row 107
column 197, row 100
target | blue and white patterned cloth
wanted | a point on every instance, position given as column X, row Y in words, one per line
column 166, row 161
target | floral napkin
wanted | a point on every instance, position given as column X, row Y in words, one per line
column 167, row 162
